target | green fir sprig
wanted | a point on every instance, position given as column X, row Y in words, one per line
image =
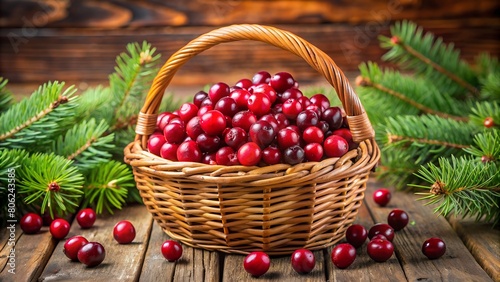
column 5, row 95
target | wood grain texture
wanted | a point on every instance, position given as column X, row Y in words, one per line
column 122, row 262
column 6, row 261
column 483, row 241
column 85, row 55
column 121, row 13
column 457, row 264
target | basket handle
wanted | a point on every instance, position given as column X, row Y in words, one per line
column 358, row 121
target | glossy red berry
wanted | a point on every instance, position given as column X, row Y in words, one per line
column 155, row 142
column 382, row 197
column 199, row 97
column 213, row 122
column 347, row 135
column 207, row 143
column 73, row 245
column 313, row 134
column 257, row 263
column 169, row 151
column 380, row 250
column 218, row 91
column 31, row 223
column 321, row 101
column 343, row 255
column 282, row 81
column 59, row 228
column 244, row 119
column 240, row 96
column 86, row 218
column 356, row 235
column 303, row 261
column 188, row 152
column 188, row 111
column 306, row 119
column 174, row 132
column 235, row 137
column 244, row 83
column 292, row 108
column 379, row 236
column 92, row 254
column 293, row 155
column 227, row 106
column 333, row 116
column 249, row 154
column 313, row 152
column 397, row 219
column 259, row 104
column 193, row 128
column 288, row 137
column 335, row 146
column 267, row 90
column 226, row 156
column 381, row 228
column 271, row 155
column 291, row 93
column 488, row 122
column 261, row 77
column 434, row 248
column 262, row 133
column 171, row 250
column 124, row 232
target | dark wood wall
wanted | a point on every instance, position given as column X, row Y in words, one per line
column 78, row 40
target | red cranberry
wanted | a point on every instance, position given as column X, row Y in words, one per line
column 313, row 134
column 261, row 77
column 86, row 218
column 382, row 197
column 282, row 120
column 333, row 116
column 188, row 111
column 213, row 122
column 218, row 91
column 313, row 152
column 303, row 261
column 267, row 90
column 381, row 228
column 288, row 137
column 488, row 122
column 204, row 109
column 262, row 133
column 165, row 119
column 271, row 155
column 206, row 103
column 259, row 104
column 293, row 155
column 169, row 151
column 155, row 142
column 171, row 250
column 379, row 236
column 305, row 102
column 124, row 232
column 244, row 119
column 59, row 228
column 291, row 93
column 199, row 97
column 356, row 235
column 343, row 255
column 227, row 106
column 380, row 250
column 257, row 263
column 207, row 143
column 91, row 254
column 433, row 248
column 174, row 133
column 282, row 81
column 335, row 146
column 209, row 158
column 188, row 152
column 226, row 156
column 347, row 135
column 73, row 245
column 193, row 128
column 240, row 96
column 249, row 154
column 244, row 83
column 292, row 108
column 235, row 137
column 397, row 219
column 272, row 121
column 323, row 125
column 31, row 223
column 306, row 119
column 321, row 101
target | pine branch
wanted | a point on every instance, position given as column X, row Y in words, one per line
column 487, row 65
column 463, row 186
column 37, row 119
column 486, row 147
column 107, row 186
column 51, row 182
column 95, row 103
column 5, row 95
column 486, row 110
column 429, row 57
column 403, row 94
column 86, row 144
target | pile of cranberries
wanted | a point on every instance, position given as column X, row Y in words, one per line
column 263, row 121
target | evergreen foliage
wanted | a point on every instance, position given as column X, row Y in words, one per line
column 437, row 123
column 85, row 135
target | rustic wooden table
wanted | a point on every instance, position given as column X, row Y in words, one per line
column 473, row 252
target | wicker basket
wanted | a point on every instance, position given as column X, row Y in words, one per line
column 238, row 209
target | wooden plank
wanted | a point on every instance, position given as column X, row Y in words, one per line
column 363, row 267
column 456, row 265
column 8, row 262
column 122, row 262
column 120, row 13
column 483, row 241
column 194, row 265
column 84, row 56
column 32, row 252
